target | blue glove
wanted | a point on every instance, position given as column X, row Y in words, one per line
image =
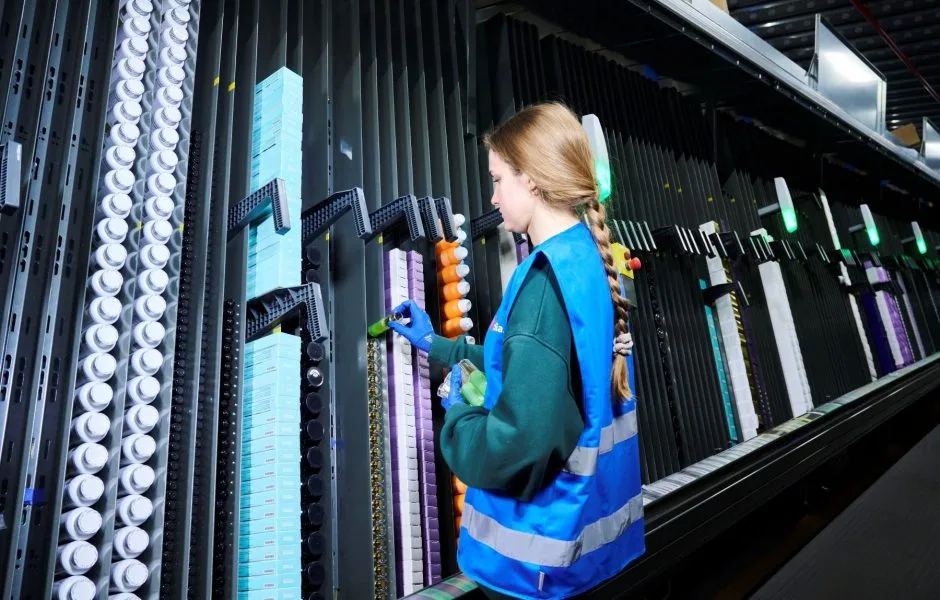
column 419, row 331
column 456, row 382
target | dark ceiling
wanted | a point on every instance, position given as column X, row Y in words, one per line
column 914, row 25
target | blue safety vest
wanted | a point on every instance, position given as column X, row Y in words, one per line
column 587, row 524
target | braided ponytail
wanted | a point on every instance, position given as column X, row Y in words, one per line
column 547, row 142
column 595, row 213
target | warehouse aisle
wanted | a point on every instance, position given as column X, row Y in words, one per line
column 882, row 546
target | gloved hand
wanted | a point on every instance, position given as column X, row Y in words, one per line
column 419, row 331
column 454, row 396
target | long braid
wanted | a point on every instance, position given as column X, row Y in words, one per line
column 598, row 224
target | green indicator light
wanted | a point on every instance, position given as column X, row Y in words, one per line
column 919, row 238
column 870, row 226
column 786, row 204
column 604, row 179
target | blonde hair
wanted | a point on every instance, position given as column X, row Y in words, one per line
column 547, row 143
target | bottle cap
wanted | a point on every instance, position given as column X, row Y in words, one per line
column 162, row 184
column 110, row 280
column 90, row 488
column 173, row 74
column 171, row 115
column 129, row 110
column 139, row 508
column 168, row 137
column 135, row 575
column 134, row 66
column 160, row 230
column 145, row 416
column 119, row 204
column 84, row 556
column 139, row 26
column 88, row 522
column 95, row 456
column 102, row 364
column 152, row 332
column 106, row 336
column 99, row 394
column 114, row 228
column 156, row 279
column 126, row 133
column 136, row 541
column 176, row 54
column 122, row 155
column 147, row 387
column 137, row 47
column 151, row 360
column 165, row 159
column 172, row 94
column 160, row 206
column 179, row 16
column 123, row 179
column 159, row 254
column 154, row 305
column 142, row 477
column 109, row 308
column 82, row 588
column 97, row 425
column 142, row 7
column 463, row 270
column 135, row 87
column 176, row 35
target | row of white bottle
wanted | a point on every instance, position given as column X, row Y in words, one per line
column 81, row 520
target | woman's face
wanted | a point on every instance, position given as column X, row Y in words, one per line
column 512, row 195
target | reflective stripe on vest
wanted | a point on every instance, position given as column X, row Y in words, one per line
column 583, row 461
column 546, row 551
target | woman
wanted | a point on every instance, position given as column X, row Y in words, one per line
column 551, row 458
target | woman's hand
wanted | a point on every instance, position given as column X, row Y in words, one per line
column 419, row 331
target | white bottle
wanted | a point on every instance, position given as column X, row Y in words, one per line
column 146, row 361
column 130, row 542
column 125, row 134
column 153, row 281
column 95, row 396
column 143, row 389
column 112, row 230
column 129, row 68
column 136, row 9
column 107, row 282
column 120, row 157
column 141, row 418
column 171, row 95
column 131, row 28
column 149, row 334
column 135, row 47
column 81, row 523
column 118, row 181
column 164, row 139
column 91, row 427
column 136, row 478
column 178, row 17
column 168, row 76
column 164, row 161
column 127, row 89
column 88, row 458
column 150, row 307
column 105, row 310
column 154, row 256
column 74, row 587
column 76, row 558
column 128, row 111
column 82, row 490
column 174, row 36
column 110, row 256
column 158, row 231
column 172, row 56
column 134, row 510
column 98, row 366
column 123, row 596
column 167, row 116
column 128, row 575
column 459, row 220
column 101, row 338
column 161, row 184
column 117, row 205
column 158, row 207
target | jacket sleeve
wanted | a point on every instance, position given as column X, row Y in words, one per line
column 532, row 429
column 445, row 353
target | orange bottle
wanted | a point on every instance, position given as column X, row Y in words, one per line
column 457, row 327
column 452, row 256
column 456, row 308
column 455, row 291
column 452, row 274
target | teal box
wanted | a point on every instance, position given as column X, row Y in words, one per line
column 274, row 116
column 255, row 432
column 272, row 411
column 278, row 134
column 272, row 277
column 269, row 567
column 275, row 340
column 270, row 511
column 274, row 456
column 283, row 76
column 288, row 594
column 260, row 471
column 283, row 383
column 258, row 526
column 261, row 553
column 266, row 485
column 270, row 539
column 269, row 582
column 281, row 443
